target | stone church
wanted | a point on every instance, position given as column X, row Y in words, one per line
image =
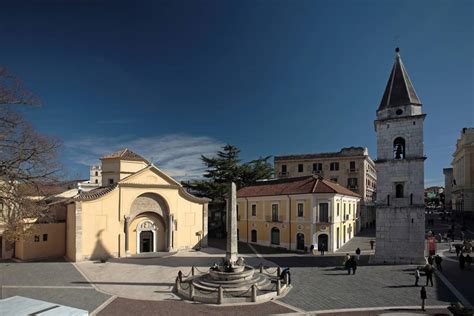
column 138, row 209
column 400, row 233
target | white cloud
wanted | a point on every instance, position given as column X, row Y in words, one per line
column 176, row 154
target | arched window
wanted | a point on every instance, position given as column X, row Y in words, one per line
column 96, row 173
column 399, row 148
column 275, row 236
column 388, row 199
column 411, row 198
column 254, row 235
column 399, row 190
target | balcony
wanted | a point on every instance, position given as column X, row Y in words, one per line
column 283, row 174
column 274, row 219
column 317, row 171
column 346, row 218
column 353, row 170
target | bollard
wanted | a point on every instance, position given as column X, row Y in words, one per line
column 278, row 272
column 278, row 287
column 176, row 285
column 220, row 295
column 254, row 293
column 261, row 267
column 191, row 290
column 180, row 276
column 192, row 271
column 287, row 279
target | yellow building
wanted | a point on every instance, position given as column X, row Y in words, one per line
column 463, row 174
column 351, row 167
column 138, row 209
column 295, row 213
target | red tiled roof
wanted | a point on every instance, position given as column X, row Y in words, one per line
column 288, row 186
column 125, row 154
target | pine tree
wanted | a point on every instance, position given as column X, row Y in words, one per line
column 224, row 168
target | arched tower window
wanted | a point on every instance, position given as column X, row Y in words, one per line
column 399, row 148
column 399, row 190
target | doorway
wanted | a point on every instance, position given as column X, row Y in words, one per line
column 299, row 241
column 323, row 242
column 146, row 241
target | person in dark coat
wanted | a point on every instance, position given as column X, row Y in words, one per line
column 372, row 245
column 438, row 261
column 358, row 253
column 462, row 261
column 348, row 266
column 286, row 271
column 353, row 265
column 429, row 275
column 458, row 250
column 430, row 260
column 423, row 297
column 321, row 248
column 468, row 261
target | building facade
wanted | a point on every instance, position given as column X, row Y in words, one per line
column 138, row 209
column 448, row 186
column 463, row 174
column 400, row 231
column 350, row 167
column 296, row 213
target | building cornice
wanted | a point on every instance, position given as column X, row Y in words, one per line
column 401, row 118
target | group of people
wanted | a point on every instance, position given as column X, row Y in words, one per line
column 463, row 252
column 429, row 270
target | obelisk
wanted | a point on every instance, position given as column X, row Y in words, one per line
column 231, row 251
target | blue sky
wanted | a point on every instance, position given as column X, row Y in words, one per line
column 175, row 79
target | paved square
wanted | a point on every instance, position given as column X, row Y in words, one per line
column 55, row 282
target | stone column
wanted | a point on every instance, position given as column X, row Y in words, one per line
column 170, row 232
column 231, row 253
column 125, row 227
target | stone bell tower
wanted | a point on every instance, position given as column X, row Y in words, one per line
column 400, row 232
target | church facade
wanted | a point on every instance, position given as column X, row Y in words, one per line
column 400, row 229
column 139, row 209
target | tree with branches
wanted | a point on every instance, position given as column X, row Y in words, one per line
column 28, row 161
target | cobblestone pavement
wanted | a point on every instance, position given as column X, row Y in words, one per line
column 57, row 282
column 122, row 306
column 361, row 241
column 316, row 288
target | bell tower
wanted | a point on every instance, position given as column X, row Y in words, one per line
column 400, row 215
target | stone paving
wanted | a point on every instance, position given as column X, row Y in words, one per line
column 150, row 278
column 322, row 288
column 122, row 306
column 57, row 282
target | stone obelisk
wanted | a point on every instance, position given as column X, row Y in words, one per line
column 231, row 250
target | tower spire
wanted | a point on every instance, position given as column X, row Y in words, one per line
column 399, row 90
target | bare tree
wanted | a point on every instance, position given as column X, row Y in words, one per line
column 28, row 161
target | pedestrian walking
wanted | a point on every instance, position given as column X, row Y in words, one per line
column 430, row 260
column 321, row 248
column 462, row 261
column 353, row 265
column 468, row 261
column 438, row 261
column 358, row 253
column 347, row 265
column 417, row 276
column 372, row 245
column 423, row 297
column 429, row 275
column 462, row 236
column 458, row 249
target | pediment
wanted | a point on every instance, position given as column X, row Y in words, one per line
column 150, row 175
